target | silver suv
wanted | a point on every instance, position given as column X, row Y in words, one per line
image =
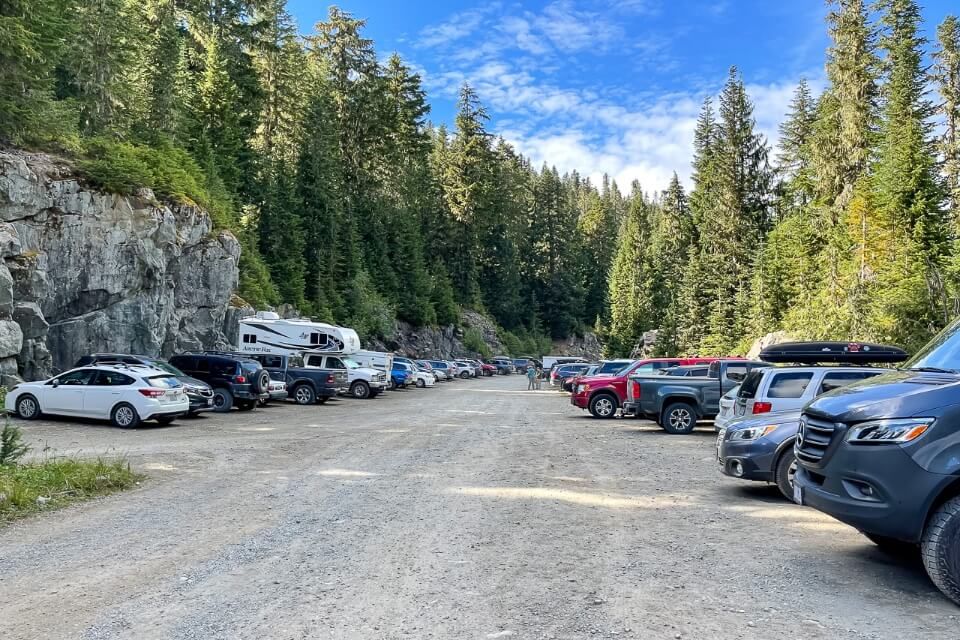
column 779, row 389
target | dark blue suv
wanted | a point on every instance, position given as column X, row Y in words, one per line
column 883, row 456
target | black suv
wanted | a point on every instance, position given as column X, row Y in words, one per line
column 198, row 392
column 235, row 381
column 883, row 456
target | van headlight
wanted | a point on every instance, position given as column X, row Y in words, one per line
column 889, row 431
column 753, row 433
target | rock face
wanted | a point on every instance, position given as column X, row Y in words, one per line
column 769, row 340
column 85, row 271
column 585, row 346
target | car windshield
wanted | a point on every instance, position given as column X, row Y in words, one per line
column 166, row 366
column 350, row 364
column 624, row 370
column 941, row 354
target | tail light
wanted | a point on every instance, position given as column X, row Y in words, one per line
column 239, row 379
column 151, row 393
column 330, row 379
column 635, row 389
column 762, row 407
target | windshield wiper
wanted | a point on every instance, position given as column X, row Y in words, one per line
column 932, row 370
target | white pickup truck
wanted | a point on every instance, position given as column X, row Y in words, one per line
column 362, row 382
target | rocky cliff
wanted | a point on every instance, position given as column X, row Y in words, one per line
column 84, row 271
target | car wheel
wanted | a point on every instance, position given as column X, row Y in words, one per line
column 941, row 548
column 678, row 418
column 222, row 400
column 246, row 405
column 27, row 407
column 464, row 375
column 263, row 382
column 421, row 383
column 603, row 406
column 304, row 394
column 125, row 416
column 360, row 389
column 784, row 472
column 165, row 420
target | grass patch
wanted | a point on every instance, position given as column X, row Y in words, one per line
column 54, row 483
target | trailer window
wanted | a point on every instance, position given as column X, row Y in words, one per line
column 318, row 339
column 249, row 338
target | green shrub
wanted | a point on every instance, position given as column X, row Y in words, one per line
column 12, row 448
column 31, row 487
column 473, row 341
column 373, row 316
column 172, row 173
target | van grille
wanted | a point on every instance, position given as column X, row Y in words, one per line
column 814, row 438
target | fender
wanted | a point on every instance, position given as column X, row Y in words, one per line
column 671, row 393
column 608, row 389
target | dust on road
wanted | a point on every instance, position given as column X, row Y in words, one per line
column 473, row 510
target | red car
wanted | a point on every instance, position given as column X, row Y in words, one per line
column 487, row 369
column 603, row 395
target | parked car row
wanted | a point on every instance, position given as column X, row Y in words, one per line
column 841, row 427
column 276, row 359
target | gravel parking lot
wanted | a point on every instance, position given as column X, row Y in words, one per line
column 473, row 510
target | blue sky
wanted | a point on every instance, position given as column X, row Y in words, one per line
column 603, row 86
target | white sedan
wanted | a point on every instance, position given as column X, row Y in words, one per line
column 423, row 378
column 124, row 394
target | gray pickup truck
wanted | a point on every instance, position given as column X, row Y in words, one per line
column 676, row 403
column 304, row 385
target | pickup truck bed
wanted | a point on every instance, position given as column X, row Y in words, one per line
column 678, row 403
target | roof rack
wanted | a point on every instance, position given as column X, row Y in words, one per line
column 812, row 353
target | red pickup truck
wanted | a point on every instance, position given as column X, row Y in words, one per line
column 604, row 395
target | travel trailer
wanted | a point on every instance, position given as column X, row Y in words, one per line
column 267, row 332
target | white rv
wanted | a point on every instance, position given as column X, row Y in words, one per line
column 374, row 360
column 266, row 332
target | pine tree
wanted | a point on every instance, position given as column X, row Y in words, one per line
column 31, row 45
column 631, row 280
column 163, row 70
column 947, row 75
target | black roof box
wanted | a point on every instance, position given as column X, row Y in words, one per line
column 835, row 352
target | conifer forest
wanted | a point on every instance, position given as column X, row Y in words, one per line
column 319, row 153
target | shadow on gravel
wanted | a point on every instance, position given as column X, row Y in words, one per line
column 760, row 492
column 70, row 421
column 896, row 571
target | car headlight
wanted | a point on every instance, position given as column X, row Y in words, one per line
column 889, row 431
column 753, row 433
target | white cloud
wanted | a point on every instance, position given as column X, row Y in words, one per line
column 628, row 134
column 457, row 27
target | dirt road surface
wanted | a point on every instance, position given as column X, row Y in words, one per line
column 473, row 510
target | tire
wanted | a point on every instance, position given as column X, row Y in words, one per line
column 304, row 394
column 940, row 547
column 27, row 407
column 464, row 375
column 678, row 418
column 604, row 406
column 261, row 382
column 125, row 416
column 784, row 471
column 166, row 420
column 247, row 405
column 360, row 389
column 421, row 383
column 222, row 400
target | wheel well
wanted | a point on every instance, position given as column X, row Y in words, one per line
column 784, row 449
column 606, row 392
column 949, row 492
column 669, row 400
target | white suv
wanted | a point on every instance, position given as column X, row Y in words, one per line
column 124, row 394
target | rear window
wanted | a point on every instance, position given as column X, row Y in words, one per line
column 749, row 386
column 163, row 382
column 736, row 371
column 315, row 361
column 837, row 379
column 789, row 384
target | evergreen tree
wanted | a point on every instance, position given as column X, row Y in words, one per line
column 631, row 280
column 947, row 75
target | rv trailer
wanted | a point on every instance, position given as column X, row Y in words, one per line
column 267, row 332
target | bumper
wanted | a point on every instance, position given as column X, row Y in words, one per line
column 747, row 460
column 154, row 409
column 901, row 489
column 329, row 392
column 631, row 408
column 200, row 403
column 279, row 394
column 579, row 400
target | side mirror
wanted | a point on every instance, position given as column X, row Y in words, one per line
column 55, row 383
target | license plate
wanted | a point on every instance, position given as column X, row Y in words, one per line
column 210, row 402
column 797, row 493
column 172, row 396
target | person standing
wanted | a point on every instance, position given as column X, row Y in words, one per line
column 531, row 375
